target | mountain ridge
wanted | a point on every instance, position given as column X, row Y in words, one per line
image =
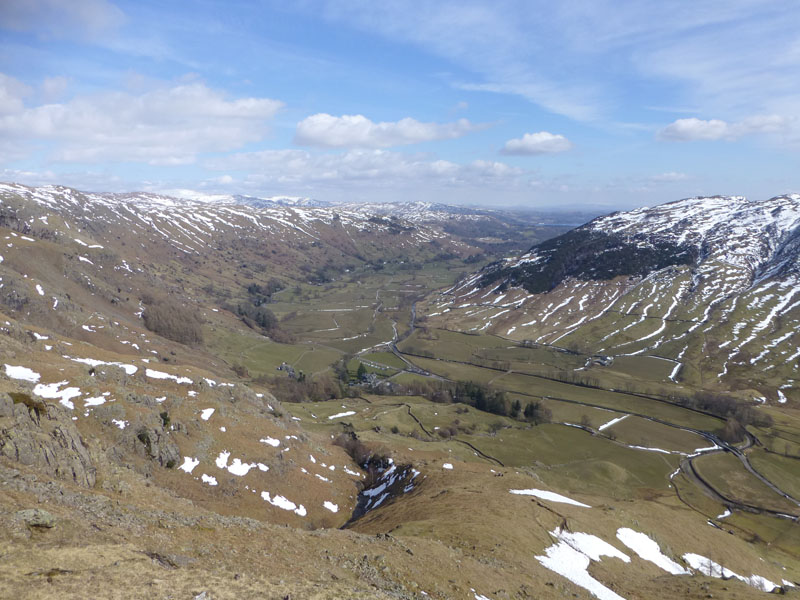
column 724, row 266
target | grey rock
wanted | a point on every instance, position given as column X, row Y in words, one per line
column 43, row 436
column 155, row 442
column 6, row 406
column 119, row 486
column 36, row 517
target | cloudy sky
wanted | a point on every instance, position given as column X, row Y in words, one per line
column 597, row 103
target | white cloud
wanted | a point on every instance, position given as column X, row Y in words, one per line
column 83, row 180
column 574, row 100
column 693, row 129
column 685, row 130
column 669, row 177
column 357, row 131
column 170, row 125
column 764, row 124
column 12, row 93
column 700, row 67
column 488, row 169
column 370, row 168
column 54, row 87
column 542, row 142
column 60, row 19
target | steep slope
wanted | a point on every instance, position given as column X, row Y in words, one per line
column 710, row 284
column 66, row 251
column 105, row 301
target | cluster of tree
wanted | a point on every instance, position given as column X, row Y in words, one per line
column 255, row 316
column 413, row 265
column 340, row 369
column 443, row 256
column 534, row 412
column 414, row 350
column 472, row 394
column 216, row 291
column 361, row 373
column 170, row 318
column 473, row 259
column 260, row 317
column 320, row 274
column 725, row 406
column 499, row 365
column 469, row 228
column 424, row 333
column 737, row 413
column 10, row 220
column 475, row 395
column 481, row 397
column 8, row 217
column 240, row 370
column 14, row 295
column 448, row 432
column 575, row 378
column 262, row 294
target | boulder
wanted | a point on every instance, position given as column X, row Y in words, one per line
column 36, row 517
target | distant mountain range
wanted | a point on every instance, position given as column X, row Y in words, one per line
column 139, row 234
column 415, row 211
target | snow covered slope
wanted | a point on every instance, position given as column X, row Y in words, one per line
column 711, row 284
column 421, row 212
column 190, row 225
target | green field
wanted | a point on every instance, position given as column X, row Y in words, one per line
column 341, row 318
column 567, row 457
column 385, row 358
column 259, row 354
column 643, row 367
column 636, row 431
column 781, row 470
column 539, row 387
column 727, row 475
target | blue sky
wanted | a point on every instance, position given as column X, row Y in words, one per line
column 602, row 104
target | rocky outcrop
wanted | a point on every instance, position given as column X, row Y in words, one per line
column 153, row 441
column 43, row 436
